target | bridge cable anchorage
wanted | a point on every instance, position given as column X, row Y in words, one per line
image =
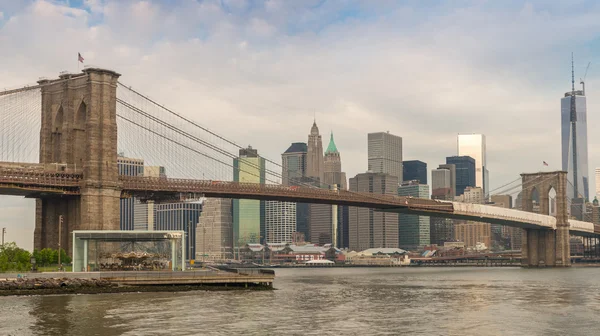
column 211, row 132
column 187, row 135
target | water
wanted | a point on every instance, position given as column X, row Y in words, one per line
column 349, row 301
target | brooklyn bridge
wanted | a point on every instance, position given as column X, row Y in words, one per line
column 88, row 117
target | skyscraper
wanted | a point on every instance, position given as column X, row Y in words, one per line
column 214, row 233
column 413, row 230
column 334, row 176
column 320, row 215
column 280, row 222
column 129, row 167
column 473, row 145
column 294, row 163
column 573, row 122
column 414, row 170
column 471, row 232
column 143, row 213
column 369, row 228
column 443, row 187
column 248, row 215
column 180, row 216
column 333, row 166
column 314, row 155
column 465, row 172
column 385, row 154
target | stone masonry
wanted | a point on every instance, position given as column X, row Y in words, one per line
column 546, row 247
column 79, row 131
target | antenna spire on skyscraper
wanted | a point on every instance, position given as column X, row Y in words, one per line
column 572, row 74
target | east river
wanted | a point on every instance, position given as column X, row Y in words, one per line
column 348, row 301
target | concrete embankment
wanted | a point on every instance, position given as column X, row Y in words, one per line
column 119, row 282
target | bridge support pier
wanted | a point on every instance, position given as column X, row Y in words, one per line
column 545, row 248
column 79, row 133
column 541, row 247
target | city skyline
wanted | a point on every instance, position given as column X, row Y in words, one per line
column 435, row 98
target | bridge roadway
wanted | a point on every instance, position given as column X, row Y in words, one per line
column 44, row 180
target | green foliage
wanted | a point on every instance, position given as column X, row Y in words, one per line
column 48, row 256
column 14, row 258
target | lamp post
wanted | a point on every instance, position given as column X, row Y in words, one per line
column 60, row 221
column 3, row 233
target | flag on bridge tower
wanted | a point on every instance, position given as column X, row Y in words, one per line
column 79, row 57
column 545, row 163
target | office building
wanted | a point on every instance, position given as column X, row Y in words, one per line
column 414, row 170
column 413, row 230
column 574, row 142
column 143, row 212
column 314, row 156
column 368, row 228
column 510, row 236
column 280, row 221
column 179, row 216
column 335, row 178
column 320, row 215
column 214, row 233
column 443, row 187
column 294, row 163
column 129, row 167
column 473, row 145
column 248, row 215
column 385, row 154
column 465, row 172
column 471, row 232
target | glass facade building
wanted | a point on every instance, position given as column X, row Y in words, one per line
column 465, row 172
column 414, row 170
column 581, row 151
column 248, row 215
column 473, row 145
column 413, row 230
column 129, row 167
column 179, row 216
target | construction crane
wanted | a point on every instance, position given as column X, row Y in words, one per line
column 582, row 80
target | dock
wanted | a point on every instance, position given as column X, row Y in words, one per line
column 133, row 281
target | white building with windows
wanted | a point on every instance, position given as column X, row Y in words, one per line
column 280, row 221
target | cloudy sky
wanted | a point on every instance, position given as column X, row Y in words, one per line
column 258, row 71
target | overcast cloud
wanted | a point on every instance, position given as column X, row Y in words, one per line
column 257, row 71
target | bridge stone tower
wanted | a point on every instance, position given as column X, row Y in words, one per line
column 79, row 133
column 546, row 247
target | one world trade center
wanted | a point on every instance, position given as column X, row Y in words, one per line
column 574, row 142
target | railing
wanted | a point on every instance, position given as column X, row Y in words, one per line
column 34, row 177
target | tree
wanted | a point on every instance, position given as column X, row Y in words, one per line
column 48, row 256
column 14, row 258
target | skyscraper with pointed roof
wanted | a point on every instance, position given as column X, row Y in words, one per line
column 333, row 166
column 314, row 156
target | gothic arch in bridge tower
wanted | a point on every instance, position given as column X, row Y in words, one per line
column 79, row 134
column 541, row 247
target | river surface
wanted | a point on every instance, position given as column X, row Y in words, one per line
column 347, row 301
